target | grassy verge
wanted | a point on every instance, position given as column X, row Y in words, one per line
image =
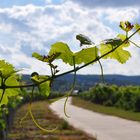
column 47, row 119
column 135, row 116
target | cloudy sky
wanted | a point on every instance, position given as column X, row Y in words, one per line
column 27, row 26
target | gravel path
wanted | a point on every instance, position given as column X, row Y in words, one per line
column 103, row 127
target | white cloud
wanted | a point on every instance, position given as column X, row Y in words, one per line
column 36, row 28
column 125, row 14
column 5, row 28
column 48, row 1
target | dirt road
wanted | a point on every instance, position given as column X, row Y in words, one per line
column 103, row 127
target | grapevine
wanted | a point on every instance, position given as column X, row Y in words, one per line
column 114, row 48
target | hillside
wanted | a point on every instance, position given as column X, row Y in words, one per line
column 84, row 82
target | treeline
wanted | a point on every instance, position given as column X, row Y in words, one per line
column 124, row 97
column 84, row 82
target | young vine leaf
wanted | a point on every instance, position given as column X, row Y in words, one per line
column 11, row 81
column 84, row 56
column 44, row 58
column 65, row 53
column 6, row 69
column 8, row 77
column 126, row 26
column 119, row 54
column 44, row 88
column 137, row 26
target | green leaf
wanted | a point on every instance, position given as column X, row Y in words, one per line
column 113, row 42
column 7, row 73
column 38, row 56
column 44, row 58
column 65, row 53
column 6, row 69
column 86, row 55
column 126, row 26
column 137, row 26
column 119, row 54
column 10, row 92
column 35, row 77
column 122, row 38
column 117, row 41
column 44, row 88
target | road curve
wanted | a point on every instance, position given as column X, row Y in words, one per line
column 104, row 127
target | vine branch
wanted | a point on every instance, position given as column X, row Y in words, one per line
column 73, row 70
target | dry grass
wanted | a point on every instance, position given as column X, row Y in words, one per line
column 48, row 120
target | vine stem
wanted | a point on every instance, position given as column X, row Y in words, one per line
column 102, row 71
column 33, row 118
column 134, row 44
column 23, row 118
column 52, row 73
column 72, row 88
column 3, row 87
column 2, row 95
column 28, row 112
column 73, row 70
column 41, row 128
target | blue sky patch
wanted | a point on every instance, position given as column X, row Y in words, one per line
column 10, row 3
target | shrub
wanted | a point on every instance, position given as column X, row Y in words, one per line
column 125, row 97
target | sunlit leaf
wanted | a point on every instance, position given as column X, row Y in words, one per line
column 35, row 77
column 122, row 38
column 119, row 54
column 11, row 81
column 86, row 55
column 7, row 73
column 6, row 69
column 44, row 58
column 44, row 87
column 65, row 53
column 137, row 26
column 126, row 26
